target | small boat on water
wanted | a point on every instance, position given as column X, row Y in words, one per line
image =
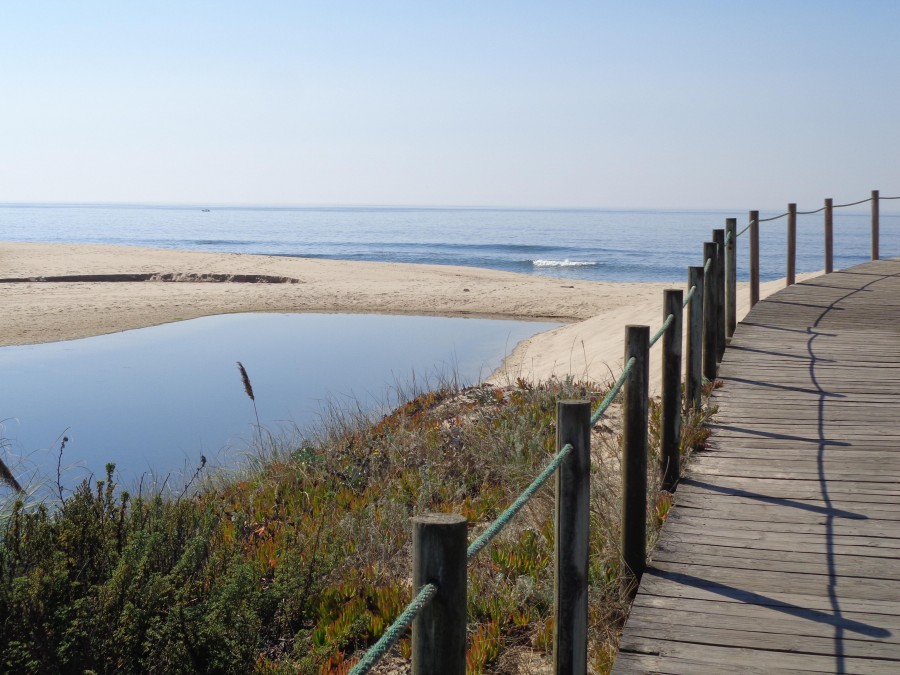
column 205, row 210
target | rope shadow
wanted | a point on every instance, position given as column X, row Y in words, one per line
column 782, row 387
column 839, row 621
column 769, row 352
column 781, row 437
column 777, row 501
column 782, row 328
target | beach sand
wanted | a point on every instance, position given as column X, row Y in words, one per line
column 189, row 284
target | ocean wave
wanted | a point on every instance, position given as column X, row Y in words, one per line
column 563, row 263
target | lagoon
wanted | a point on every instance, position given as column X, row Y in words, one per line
column 155, row 400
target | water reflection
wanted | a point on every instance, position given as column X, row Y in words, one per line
column 155, row 399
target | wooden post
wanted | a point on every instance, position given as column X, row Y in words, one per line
column 730, row 277
column 791, row 245
column 829, row 236
column 571, row 544
column 670, row 423
column 694, row 348
column 439, row 557
column 874, row 224
column 710, row 350
column 634, row 456
column 719, row 239
column 754, row 258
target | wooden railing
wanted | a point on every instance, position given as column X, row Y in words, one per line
column 437, row 613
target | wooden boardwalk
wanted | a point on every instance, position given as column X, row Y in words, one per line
column 783, row 551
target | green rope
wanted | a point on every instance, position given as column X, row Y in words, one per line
column 503, row 519
column 395, row 631
column 746, row 228
column 604, row 404
column 661, row 331
column 706, row 265
column 781, row 215
column 690, row 296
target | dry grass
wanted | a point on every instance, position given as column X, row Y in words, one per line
column 310, row 550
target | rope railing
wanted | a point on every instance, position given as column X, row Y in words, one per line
column 811, row 213
column 689, row 296
column 662, row 331
column 613, row 392
column 404, row 621
column 749, row 225
column 504, row 518
column 778, row 217
column 861, row 201
column 395, row 631
column 707, row 285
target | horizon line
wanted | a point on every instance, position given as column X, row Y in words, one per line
column 386, row 207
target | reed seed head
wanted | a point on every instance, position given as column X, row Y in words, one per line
column 246, row 379
column 7, row 477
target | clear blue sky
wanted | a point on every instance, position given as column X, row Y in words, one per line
column 611, row 104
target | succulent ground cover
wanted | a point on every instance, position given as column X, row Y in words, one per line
column 299, row 564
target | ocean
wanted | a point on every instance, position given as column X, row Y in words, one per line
column 590, row 244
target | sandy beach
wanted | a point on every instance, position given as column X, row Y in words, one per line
column 54, row 292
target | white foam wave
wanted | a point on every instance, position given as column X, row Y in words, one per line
column 563, row 263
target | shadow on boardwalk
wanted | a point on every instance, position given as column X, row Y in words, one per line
column 781, row 553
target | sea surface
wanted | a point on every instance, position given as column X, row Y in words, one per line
column 605, row 245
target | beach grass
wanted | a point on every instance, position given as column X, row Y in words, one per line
column 300, row 562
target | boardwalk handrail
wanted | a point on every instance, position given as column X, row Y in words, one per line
column 424, row 596
column 708, row 300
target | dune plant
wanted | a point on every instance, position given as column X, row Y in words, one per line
column 300, row 562
column 248, row 389
column 7, row 477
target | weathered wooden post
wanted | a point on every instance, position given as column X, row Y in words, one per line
column 710, row 350
column 730, row 277
column 439, row 557
column 571, row 544
column 874, row 224
column 634, row 455
column 791, row 276
column 829, row 236
column 694, row 348
column 754, row 258
column 670, row 423
column 719, row 239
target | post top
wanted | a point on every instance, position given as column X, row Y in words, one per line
column 439, row 519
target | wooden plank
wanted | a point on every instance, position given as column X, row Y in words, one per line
column 721, row 659
column 780, row 552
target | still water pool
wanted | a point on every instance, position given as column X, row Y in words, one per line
column 154, row 400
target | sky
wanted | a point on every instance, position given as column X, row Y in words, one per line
column 629, row 104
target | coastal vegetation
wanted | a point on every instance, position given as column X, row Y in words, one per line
column 298, row 564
